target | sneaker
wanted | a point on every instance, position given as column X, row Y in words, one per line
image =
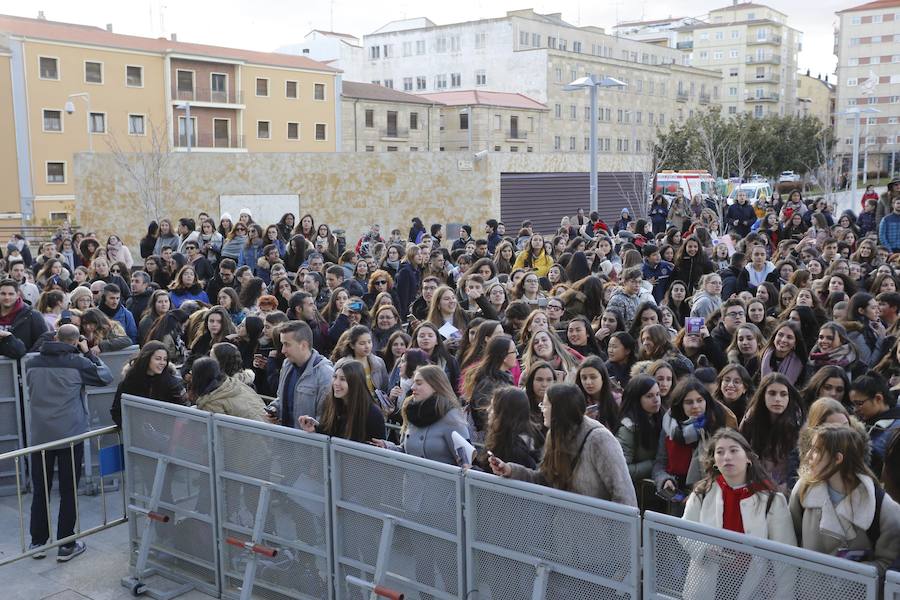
column 67, row 553
column 37, row 555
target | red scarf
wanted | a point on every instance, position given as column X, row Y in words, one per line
column 731, row 499
column 680, row 456
column 10, row 317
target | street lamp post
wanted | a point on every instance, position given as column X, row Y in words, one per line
column 70, row 108
column 593, row 85
column 854, row 169
column 188, row 126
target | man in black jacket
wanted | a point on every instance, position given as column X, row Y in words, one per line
column 20, row 326
column 225, row 278
column 140, row 294
column 732, row 275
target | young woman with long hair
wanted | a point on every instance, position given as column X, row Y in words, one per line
column 217, row 326
column 102, row 333
column 734, row 389
column 647, row 314
column 594, row 382
column 427, row 338
column 229, row 300
column 622, row 353
column 865, row 329
column 580, row 338
column 655, row 344
column 610, row 322
column 835, row 501
column 486, row 375
column 693, row 417
column 512, row 435
column 149, row 375
column 534, row 256
column 546, row 346
column 580, row 455
column 772, row 426
column 540, row 377
column 691, row 263
column 169, row 329
column 785, row 353
column 349, row 412
column 745, row 348
column 665, row 377
column 640, row 425
column 676, row 299
column 736, row 494
column 398, row 343
column 185, row 287
column 213, row 391
column 356, row 343
column 756, row 315
column 829, row 381
column 827, row 410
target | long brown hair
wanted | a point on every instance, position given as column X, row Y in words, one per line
column 758, row 479
column 352, row 409
column 510, row 418
column 566, row 415
column 444, row 395
column 490, row 364
column 829, row 440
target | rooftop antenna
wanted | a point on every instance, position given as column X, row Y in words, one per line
column 332, row 15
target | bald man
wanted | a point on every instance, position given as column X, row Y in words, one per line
column 56, row 383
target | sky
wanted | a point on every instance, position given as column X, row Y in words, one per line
column 268, row 24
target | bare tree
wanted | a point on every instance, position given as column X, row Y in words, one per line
column 638, row 192
column 714, row 145
column 150, row 168
column 827, row 167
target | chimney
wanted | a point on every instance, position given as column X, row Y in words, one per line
column 41, row 16
column 174, row 37
column 807, row 73
column 109, row 27
column 826, row 77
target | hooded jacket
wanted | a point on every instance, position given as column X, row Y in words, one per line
column 234, row 398
column 56, row 382
column 26, row 328
column 124, row 317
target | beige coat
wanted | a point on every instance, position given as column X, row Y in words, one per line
column 824, row 527
column 706, row 560
column 235, row 399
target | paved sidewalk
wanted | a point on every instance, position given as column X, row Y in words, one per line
column 95, row 575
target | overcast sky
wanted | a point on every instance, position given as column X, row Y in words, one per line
column 268, row 24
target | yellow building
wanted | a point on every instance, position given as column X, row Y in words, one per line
column 76, row 88
column 815, row 97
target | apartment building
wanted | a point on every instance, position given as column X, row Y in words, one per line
column 535, row 55
column 754, row 49
column 867, row 44
column 379, row 119
column 815, row 98
column 662, row 32
column 479, row 120
column 76, row 89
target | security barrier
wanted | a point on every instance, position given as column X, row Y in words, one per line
column 397, row 523
column 254, row 510
column 274, row 517
column 892, row 586
column 687, row 560
column 169, row 475
column 527, row 541
column 11, row 431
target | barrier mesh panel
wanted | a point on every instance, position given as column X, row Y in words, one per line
column 295, row 520
column 581, row 538
column 689, row 568
column 10, row 429
column 426, row 539
column 184, row 547
column 892, row 586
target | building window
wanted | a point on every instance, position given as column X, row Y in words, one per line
column 455, row 80
column 587, row 113
column 93, row 72
column 263, row 130
column 557, row 111
column 573, row 112
column 53, row 120
column 388, row 50
column 374, row 52
column 480, row 40
column 536, row 40
column 388, row 83
column 420, row 47
column 293, row 131
column 563, row 44
column 464, row 121
column 56, row 172
column 370, row 148
column 49, row 69
column 134, row 76
column 732, row 91
column 413, row 148
column 262, row 86
column 97, row 122
column 454, row 43
column 290, row 89
column 551, row 43
column 480, row 78
column 318, row 91
column 321, row 132
column 184, row 82
column 407, row 84
column 735, row 34
column 576, row 47
column 523, row 38
column 440, row 45
column 136, row 125
column 440, row 82
column 391, row 148
column 370, row 118
column 407, row 48
column 421, row 83
column 732, row 54
column 414, row 120
column 732, row 110
column 851, row 82
column 557, row 142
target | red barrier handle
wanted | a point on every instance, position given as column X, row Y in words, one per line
column 386, row 593
column 257, row 548
column 159, row 517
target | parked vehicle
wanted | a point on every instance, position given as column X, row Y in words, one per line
column 788, row 177
column 690, row 182
column 755, row 190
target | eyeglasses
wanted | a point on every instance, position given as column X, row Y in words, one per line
column 860, row 403
column 554, row 307
column 734, row 315
column 240, row 230
column 115, row 271
column 513, row 352
column 381, row 282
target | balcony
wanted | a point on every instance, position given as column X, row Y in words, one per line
column 773, row 39
column 516, row 135
column 685, row 45
column 772, row 59
column 394, row 134
column 704, row 98
column 208, row 96
column 765, row 78
column 682, row 96
column 770, row 97
column 207, row 141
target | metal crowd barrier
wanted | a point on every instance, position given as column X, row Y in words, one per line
column 11, row 427
column 528, row 541
column 687, row 560
column 170, row 492
column 273, row 505
column 892, row 586
column 86, row 522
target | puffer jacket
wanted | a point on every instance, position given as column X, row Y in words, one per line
column 638, row 458
column 540, row 264
column 235, row 399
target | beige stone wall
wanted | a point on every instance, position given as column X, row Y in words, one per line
column 349, row 190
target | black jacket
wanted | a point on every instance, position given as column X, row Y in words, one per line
column 409, row 280
column 137, row 304
column 215, row 285
column 732, row 282
column 165, row 387
column 26, row 329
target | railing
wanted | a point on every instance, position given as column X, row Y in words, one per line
column 766, row 78
column 208, row 140
column 704, row 98
column 682, row 96
column 686, row 45
column 770, row 97
column 769, row 39
column 208, row 95
column 516, row 134
column 772, row 59
column 67, row 453
column 395, row 133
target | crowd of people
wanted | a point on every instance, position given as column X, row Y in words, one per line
column 737, row 365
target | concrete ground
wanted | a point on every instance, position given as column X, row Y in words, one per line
column 94, row 575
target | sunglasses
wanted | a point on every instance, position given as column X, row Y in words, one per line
column 381, row 282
